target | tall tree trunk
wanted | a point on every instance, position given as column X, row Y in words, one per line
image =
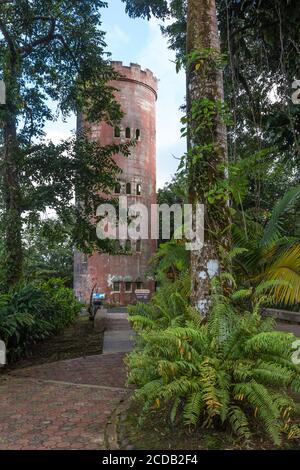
column 13, row 261
column 207, row 146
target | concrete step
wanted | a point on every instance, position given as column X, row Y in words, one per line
column 117, row 310
column 117, row 321
column 112, row 324
column 117, row 341
column 282, row 315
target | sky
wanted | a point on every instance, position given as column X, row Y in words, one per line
column 140, row 41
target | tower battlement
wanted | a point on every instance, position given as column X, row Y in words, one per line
column 134, row 72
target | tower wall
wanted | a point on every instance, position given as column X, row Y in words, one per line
column 137, row 94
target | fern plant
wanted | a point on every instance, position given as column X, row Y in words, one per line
column 168, row 306
column 271, row 255
column 229, row 371
column 170, row 260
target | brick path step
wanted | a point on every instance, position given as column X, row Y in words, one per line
column 63, row 405
column 66, row 404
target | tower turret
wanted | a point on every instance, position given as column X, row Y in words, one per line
column 120, row 275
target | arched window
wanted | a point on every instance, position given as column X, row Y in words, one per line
column 128, row 188
column 117, row 132
column 139, row 285
column 118, row 188
column 138, row 246
column 137, row 134
column 117, row 286
column 128, row 286
column 138, row 189
column 128, row 245
column 127, row 133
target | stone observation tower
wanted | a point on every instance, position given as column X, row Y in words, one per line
column 119, row 276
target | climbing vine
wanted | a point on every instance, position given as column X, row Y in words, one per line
column 208, row 174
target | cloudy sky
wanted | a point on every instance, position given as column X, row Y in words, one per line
column 140, row 41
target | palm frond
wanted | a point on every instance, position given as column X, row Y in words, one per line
column 286, row 272
column 274, row 228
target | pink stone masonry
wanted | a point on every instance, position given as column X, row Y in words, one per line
column 118, row 276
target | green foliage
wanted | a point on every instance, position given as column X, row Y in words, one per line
column 168, row 305
column 53, row 52
column 271, row 254
column 285, row 269
column 174, row 192
column 34, row 312
column 146, row 8
column 58, row 52
column 260, row 41
column 49, row 251
column 62, row 299
column 231, row 371
column 199, row 58
column 171, row 260
column 273, row 230
column 203, row 114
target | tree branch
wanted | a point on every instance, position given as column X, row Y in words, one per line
column 33, row 149
column 65, row 44
column 8, row 38
column 42, row 40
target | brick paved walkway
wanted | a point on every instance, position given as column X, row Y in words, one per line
column 63, row 405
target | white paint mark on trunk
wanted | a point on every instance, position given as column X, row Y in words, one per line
column 202, row 305
column 212, row 267
column 202, row 275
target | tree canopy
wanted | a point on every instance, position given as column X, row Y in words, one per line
column 261, row 43
column 52, row 51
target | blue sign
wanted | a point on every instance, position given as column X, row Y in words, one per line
column 98, row 296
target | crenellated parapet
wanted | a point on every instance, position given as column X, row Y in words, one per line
column 134, row 73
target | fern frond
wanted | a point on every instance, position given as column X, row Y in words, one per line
column 259, row 398
column 274, row 342
column 239, row 422
column 274, row 228
column 140, row 322
column 193, row 408
column 241, row 294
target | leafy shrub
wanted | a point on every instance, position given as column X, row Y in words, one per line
column 171, row 260
column 64, row 306
column 230, row 370
column 35, row 312
column 271, row 253
column 168, row 307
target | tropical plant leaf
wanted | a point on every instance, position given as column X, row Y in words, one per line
column 274, row 228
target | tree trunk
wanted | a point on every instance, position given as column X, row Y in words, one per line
column 207, row 146
column 12, row 220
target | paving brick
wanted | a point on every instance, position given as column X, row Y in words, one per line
column 39, row 409
column 106, row 370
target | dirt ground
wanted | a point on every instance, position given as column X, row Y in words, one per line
column 78, row 340
column 158, row 433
